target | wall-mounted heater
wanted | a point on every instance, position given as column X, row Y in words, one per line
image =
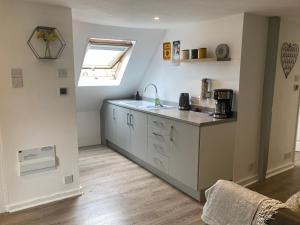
column 37, row 160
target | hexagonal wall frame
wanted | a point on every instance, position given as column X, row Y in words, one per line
column 46, row 42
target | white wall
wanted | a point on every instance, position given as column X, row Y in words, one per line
column 171, row 80
column 88, row 128
column 89, row 99
column 2, row 186
column 250, row 98
column 35, row 115
column 285, row 105
column 297, row 148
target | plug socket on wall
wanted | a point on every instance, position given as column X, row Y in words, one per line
column 251, row 167
column 62, row 73
column 287, row 155
column 69, row 179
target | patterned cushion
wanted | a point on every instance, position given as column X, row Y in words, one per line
column 294, row 202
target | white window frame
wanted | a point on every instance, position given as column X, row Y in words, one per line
column 121, row 62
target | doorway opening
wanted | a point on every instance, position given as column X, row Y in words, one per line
column 297, row 145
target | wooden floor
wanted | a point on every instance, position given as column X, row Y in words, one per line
column 282, row 186
column 118, row 192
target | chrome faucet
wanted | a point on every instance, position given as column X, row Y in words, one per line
column 156, row 101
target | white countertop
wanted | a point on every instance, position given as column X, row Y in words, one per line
column 194, row 118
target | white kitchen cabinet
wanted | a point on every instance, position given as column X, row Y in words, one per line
column 138, row 134
column 123, row 129
column 184, row 153
column 127, row 129
column 216, row 154
column 111, row 123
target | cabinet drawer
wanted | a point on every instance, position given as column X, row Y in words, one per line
column 158, row 123
column 159, row 146
column 158, row 161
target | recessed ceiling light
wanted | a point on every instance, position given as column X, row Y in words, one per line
column 156, row 18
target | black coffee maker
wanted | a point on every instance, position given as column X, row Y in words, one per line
column 223, row 99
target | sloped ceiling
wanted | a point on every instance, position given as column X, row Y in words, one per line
column 140, row 13
column 147, row 42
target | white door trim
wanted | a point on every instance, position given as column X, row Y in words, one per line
column 3, row 191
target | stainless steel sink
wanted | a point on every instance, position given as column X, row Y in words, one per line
column 145, row 105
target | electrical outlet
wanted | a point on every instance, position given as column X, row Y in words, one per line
column 251, row 167
column 68, row 179
column 287, row 155
column 62, row 73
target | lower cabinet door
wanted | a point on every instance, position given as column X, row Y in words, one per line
column 110, row 122
column 138, row 131
column 123, row 128
column 184, row 153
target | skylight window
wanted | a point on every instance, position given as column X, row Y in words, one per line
column 105, row 62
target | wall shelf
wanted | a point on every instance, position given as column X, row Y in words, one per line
column 204, row 60
column 46, row 42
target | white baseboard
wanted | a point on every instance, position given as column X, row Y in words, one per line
column 298, row 146
column 43, row 200
column 248, row 181
column 83, row 142
column 280, row 169
column 2, row 209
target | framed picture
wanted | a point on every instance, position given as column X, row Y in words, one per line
column 176, row 52
column 167, row 50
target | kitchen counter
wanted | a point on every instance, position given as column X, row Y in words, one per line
column 194, row 118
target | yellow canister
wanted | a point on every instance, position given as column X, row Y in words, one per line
column 202, row 53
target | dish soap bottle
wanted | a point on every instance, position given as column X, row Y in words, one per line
column 138, row 96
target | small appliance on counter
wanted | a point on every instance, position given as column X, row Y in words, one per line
column 223, row 99
column 138, row 97
column 184, row 101
column 206, row 88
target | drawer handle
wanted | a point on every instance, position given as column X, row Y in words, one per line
column 114, row 114
column 131, row 120
column 155, row 122
column 128, row 119
column 157, row 135
column 171, row 134
column 158, row 123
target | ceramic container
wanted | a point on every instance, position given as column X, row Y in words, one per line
column 202, row 53
column 185, row 54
